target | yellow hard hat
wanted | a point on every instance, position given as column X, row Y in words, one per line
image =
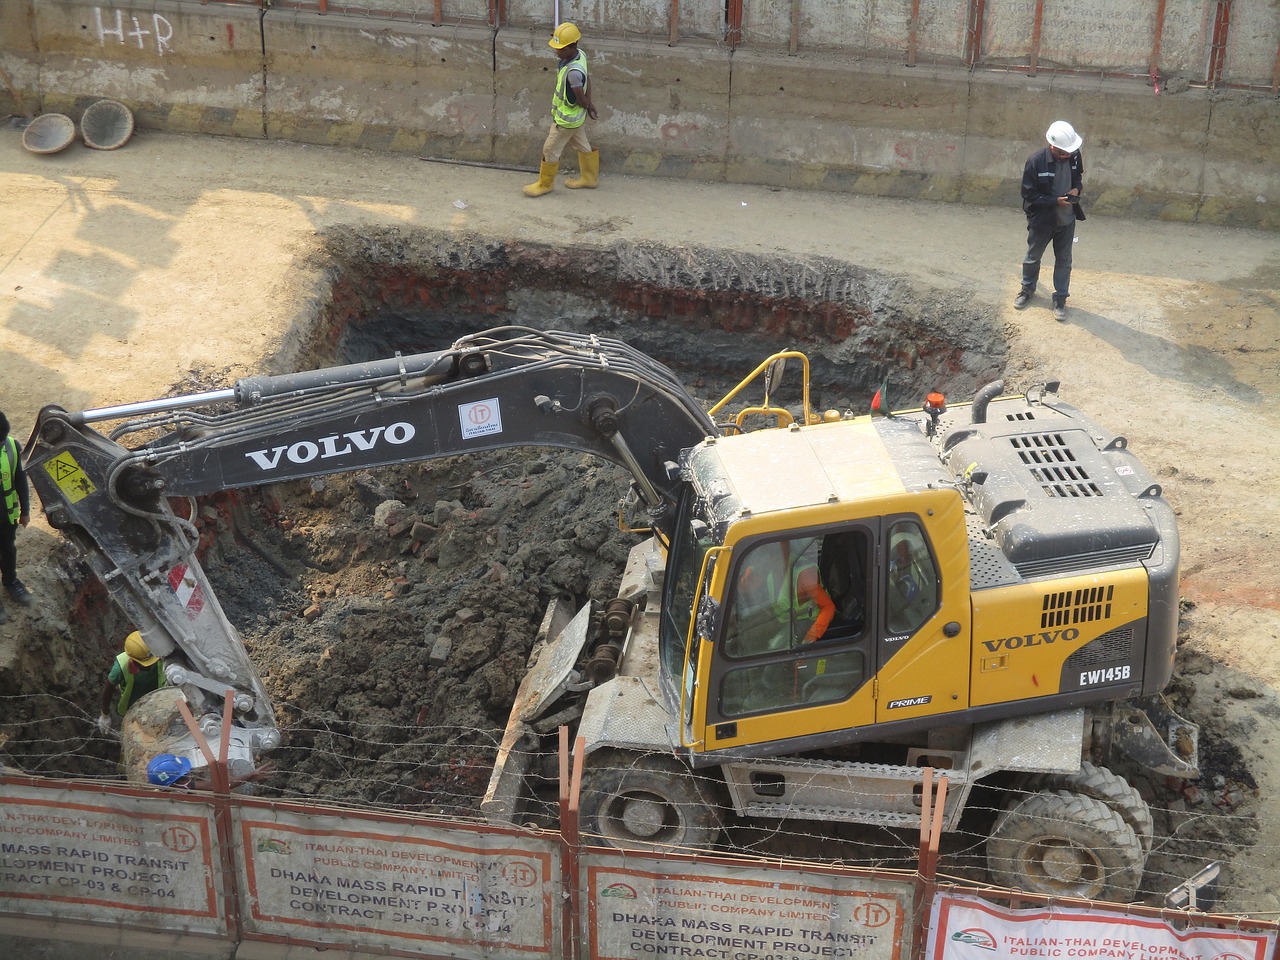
column 138, row 650
column 565, row 34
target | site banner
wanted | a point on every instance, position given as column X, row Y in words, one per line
column 314, row 876
column 647, row 908
column 967, row 928
column 120, row 858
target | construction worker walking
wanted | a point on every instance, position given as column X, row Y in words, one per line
column 134, row 674
column 570, row 106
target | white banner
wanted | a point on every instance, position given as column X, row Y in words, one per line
column 151, row 864
column 734, row 912
column 330, row 879
column 966, row 928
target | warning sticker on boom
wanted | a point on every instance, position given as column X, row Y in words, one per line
column 71, row 480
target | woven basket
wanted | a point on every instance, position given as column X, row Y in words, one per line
column 107, row 125
column 49, row 133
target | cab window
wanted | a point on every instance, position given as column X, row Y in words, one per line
column 794, row 607
column 912, row 580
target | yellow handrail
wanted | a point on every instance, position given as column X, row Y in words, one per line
column 769, row 408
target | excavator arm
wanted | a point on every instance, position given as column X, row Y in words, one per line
column 506, row 387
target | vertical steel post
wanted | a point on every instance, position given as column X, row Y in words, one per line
column 923, row 877
column 1035, row 37
column 220, row 775
column 570, row 793
column 674, row 23
column 794, row 45
column 733, row 23
column 1153, row 68
column 1218, row 45
column 973, row 32
column 913, row 33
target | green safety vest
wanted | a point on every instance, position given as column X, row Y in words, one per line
column 126, row 687
column 8, row 470
column 565, row 112
column 785, row 601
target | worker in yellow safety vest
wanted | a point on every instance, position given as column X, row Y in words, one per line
column 134, row 674
column 570, row 106
column 16, row 513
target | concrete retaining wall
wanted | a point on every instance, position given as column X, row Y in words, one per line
column 843, row 112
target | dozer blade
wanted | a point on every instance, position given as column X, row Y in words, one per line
column 555, row 652
column 1152, row 734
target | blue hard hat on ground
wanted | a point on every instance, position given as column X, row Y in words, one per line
column 166, row 768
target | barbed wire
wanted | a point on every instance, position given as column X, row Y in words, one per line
column 444, row 771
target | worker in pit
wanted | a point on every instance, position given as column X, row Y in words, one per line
column 170, row 770
column 570, row 106
column 134, row 674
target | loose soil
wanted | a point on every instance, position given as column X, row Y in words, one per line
column 179, row 264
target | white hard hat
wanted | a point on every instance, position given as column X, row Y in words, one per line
column 1063, row 136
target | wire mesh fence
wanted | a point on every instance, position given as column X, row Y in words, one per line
column 443, row 771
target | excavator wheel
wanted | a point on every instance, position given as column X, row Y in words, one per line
column 1064, row 844
column 647, row 802
column 1101, row 784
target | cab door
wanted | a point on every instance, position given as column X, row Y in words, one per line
column 796, row 652
column 924, row 628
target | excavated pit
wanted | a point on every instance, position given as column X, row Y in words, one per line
column 392, row 649
column 391, row 613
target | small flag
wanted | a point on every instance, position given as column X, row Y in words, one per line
column 880, row 402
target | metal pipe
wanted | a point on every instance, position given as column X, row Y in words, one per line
column 148, row 407
column 982, row 399
column 674, row 23
column 480, row 163
column 795, row 27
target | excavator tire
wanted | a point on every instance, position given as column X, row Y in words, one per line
column 1060, row 843
column 647, row 802
column 1101, row 784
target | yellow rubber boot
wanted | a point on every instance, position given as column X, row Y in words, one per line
column 546, row 180
column 589, row 175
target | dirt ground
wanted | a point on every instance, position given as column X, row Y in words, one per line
column 182, row 263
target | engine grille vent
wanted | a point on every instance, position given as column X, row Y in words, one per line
column 1068, row 607
column 1054, row 466
column 1112, row 647
column 1021, row 415
column 1061, row 566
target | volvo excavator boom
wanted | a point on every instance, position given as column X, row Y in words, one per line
column 506, row 387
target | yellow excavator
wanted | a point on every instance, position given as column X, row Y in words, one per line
column 824, row 604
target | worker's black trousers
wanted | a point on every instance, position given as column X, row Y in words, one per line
column 8, row 552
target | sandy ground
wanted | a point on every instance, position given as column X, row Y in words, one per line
column 121, row 272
